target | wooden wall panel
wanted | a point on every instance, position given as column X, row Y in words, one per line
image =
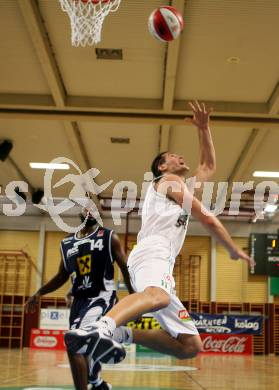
column 234, row 284
column 27, row 241
column 200, row 246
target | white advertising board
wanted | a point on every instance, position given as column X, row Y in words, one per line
column 55, row 319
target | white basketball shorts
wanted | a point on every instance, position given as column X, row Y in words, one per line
column 151, row 264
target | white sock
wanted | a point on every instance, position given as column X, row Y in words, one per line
column 107, row 323
column 97, row 381
column 123, row 334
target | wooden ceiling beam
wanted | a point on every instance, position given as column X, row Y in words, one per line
column 125, row 105
column 164, row 138
column 160, row 118
column 74, row 138
column 38, row 35
column 172, row 64
column 248, row 152
column 172, row 58
column 273, row 102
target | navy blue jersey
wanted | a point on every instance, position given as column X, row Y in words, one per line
column 90, row 262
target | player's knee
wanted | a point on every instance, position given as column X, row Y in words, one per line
column 190, row 350
column 158, row 297
column 187, row 353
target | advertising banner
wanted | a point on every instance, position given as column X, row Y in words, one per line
column 211, row 323
column 47, row 339
column 54, row 319
column 228, row 324
column 227, row 344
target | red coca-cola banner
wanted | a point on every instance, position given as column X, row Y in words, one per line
column 227, row 344
column 47, row 339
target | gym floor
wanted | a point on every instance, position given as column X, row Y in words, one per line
column 30, row 369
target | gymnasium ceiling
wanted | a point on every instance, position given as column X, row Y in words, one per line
column 56, row 100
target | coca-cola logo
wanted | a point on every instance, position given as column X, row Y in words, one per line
column 45, row 341
column 231, row 344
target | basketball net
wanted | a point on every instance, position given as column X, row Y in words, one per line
column 87, row 17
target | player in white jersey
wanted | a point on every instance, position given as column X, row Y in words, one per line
column 166, row 210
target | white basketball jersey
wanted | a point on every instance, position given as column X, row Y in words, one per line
column 163, row 217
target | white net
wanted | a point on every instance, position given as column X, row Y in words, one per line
column 87, row 17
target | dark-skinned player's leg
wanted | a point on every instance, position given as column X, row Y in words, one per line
column 78, row 362
column 80, row 310
column 95, row 382
column 79, row 369
column 83, row 313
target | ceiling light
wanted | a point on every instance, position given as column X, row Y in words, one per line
column 270, row 208
column 265, row 174
column 35, row 165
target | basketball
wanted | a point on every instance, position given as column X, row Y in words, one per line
column 165, row 23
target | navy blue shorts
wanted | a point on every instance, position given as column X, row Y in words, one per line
column 85, row 311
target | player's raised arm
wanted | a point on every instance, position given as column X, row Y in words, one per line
column 54, row 284
column 174, row 187
column 207, row 161
column 119, row 256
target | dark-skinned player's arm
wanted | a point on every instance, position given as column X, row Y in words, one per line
column 176, row 190
column 54, row 284
column 119, row 256
column 207, row 160
column 69, row 297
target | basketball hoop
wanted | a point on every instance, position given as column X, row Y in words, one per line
column 87, row 17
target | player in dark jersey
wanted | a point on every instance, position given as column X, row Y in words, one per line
column 88, row 257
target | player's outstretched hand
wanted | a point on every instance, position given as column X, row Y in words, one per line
column 240, row 254
column 31, row 303
column 201, row 115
